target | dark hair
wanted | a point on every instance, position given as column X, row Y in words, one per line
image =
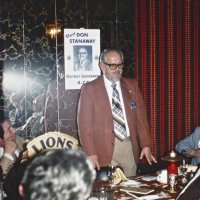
column 3, row 118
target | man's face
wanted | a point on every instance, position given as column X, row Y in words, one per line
column 112, row 75
column 38, row 104
column 9, row 131
column 82, row 54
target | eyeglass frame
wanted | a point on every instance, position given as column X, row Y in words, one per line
column 116, row 65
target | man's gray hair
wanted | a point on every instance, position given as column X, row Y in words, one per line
column 105, row 52
column 59, row 175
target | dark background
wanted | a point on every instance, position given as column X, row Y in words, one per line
column 28, row 56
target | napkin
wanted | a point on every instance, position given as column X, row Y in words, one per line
column 131, row 183
column 118, row 176
column 149, row 178
column 191, row 168
column 161, row 195
column 162, row 176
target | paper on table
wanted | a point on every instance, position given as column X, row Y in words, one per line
column 161, row 195
column 149, row 178
column 130, row 183
column 150, row 197
column 137, row 190
column 191, row 168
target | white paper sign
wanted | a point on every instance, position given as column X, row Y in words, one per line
column 81, row 51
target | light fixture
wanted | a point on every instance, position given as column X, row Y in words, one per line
column 53, row 29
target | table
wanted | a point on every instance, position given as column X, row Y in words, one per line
column 153, row 184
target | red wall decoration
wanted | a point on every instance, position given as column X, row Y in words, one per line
column 167, row 64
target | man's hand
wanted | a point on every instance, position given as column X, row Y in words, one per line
column 95, row 162
column 146, row 151
column 10, row 147
column 193, row 153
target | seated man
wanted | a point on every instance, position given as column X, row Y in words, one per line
column 60, row 175
column 190, row 146
column 191, row 190
column 34, row 126
column 11, row 145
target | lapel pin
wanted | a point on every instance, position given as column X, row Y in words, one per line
column 133, row 105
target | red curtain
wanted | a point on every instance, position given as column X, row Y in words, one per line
column 167, row 65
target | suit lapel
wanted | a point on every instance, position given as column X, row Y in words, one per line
column 127, row 98
column 104, row 97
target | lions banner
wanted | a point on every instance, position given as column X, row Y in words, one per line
column 48, row 141
column 81, row 55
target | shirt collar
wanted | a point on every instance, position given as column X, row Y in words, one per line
column 109, row 83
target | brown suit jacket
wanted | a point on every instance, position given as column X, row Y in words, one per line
column 95, row 122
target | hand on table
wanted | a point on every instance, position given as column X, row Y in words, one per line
column 193, row 153
column 146, row 151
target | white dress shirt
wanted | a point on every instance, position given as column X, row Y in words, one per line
column 109, row 89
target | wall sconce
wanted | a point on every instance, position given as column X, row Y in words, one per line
column 53, row 30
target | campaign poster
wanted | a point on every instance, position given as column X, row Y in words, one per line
column 81, row 55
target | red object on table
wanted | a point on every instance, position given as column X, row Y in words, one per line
column 172, row 168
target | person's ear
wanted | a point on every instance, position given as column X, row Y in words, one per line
column 102, row 67
column 21, row 190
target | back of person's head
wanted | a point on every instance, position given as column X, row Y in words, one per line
column 59, row 175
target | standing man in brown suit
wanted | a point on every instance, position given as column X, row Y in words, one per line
column 96, row 126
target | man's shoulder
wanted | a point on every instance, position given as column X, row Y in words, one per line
column 94, row 82
column 91, row 86
column 129, row 82
column 197, row 131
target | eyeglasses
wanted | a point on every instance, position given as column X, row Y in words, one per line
column 113, row 66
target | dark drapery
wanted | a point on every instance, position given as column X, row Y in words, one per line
column 167, row 64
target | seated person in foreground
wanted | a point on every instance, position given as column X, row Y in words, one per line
column 190, row 146
column 11, row 145
column 60, row 175
column 192, row 189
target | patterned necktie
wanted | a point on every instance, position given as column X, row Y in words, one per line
column 118, row 116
